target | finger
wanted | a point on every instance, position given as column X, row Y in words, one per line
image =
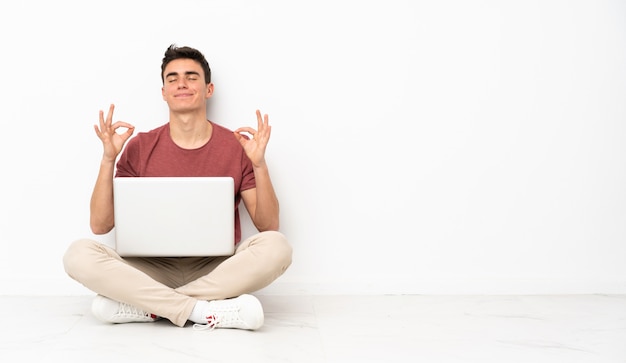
column 119, row 124
column 269, row 132
column 125, row 134
column 242, row 140
column 266, row 124
column 109, row 120
column 98, row 133
column 259, row 119
column 249, row 130
column 129, row 132
column 262, row 121
column 101, row 120
column 266, row 130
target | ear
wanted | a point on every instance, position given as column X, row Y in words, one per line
column 163, row 93
column 209, row 90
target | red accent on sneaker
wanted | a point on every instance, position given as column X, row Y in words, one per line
column 211, row 321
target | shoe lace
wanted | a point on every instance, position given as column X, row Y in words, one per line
column 226, row 316
column 211, row 324
column 127, row 310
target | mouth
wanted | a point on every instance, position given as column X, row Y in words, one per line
column 183, row 95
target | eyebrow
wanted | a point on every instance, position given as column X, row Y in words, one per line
column 186, row 73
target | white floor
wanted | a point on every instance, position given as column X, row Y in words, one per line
column 433, row 329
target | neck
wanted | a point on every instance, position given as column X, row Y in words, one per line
column 190, row 131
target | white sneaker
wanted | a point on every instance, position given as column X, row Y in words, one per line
column 242, row 312
column 111, row 311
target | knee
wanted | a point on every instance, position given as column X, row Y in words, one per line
column 282, row 251
column 75, row 258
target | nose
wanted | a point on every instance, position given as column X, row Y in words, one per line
column 181, row 83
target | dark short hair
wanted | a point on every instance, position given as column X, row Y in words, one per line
column 173, row 52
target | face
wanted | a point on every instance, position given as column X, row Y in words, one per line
column 185, row 88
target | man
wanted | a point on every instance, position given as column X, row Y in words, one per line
column 212, row 292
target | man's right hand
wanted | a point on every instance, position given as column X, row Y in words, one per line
column 112, row 141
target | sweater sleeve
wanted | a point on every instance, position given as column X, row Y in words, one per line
column 127, row 165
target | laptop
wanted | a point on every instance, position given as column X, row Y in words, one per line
column 174, row 216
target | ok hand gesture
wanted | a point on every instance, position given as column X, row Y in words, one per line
column 112, row 142
column 255, row 147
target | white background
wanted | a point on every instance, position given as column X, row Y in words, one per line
column 417, row 146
